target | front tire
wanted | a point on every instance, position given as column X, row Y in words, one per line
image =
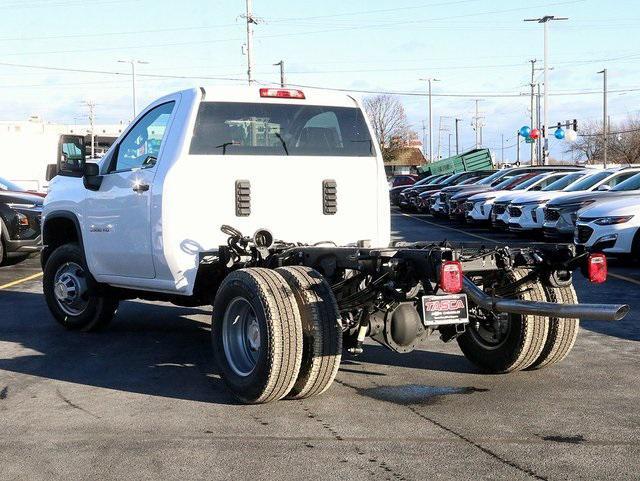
column 256, row 334
column 514, row 347
column 72, row 295
column 322, row 331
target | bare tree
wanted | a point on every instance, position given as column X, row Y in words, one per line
column 389, row 121
column 625, row 145
column 588, row 143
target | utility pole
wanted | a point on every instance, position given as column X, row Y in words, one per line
column 476, row 127
column 457, row 136
column 133, row 80
column 518, row 148
column 251, row 21
column 538, row 126
column 281, row 64
column 545, row 20
column 450, row 144
column 605, row 119
column 429, row 80
column 502, row 148
column 533, row 115
column 92, row 105
column 424, row 138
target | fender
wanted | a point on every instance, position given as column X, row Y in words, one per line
column 59, row 214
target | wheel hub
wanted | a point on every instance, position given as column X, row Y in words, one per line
column 70, row 289
column 241, row 336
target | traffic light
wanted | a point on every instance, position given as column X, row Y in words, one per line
column 575, row 125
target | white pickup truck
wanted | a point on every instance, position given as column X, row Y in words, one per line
column 160, row 217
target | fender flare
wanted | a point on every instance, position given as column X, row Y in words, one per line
column 60, row 214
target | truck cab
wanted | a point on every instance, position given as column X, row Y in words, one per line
column 292, row 161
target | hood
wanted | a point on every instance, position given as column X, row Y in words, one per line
column 617, row 207
column 10, row 197
column 488, row 194
column 465, row 194
column 400, row 188
column 533, row 196
column 586, row 196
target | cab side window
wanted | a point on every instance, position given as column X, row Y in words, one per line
column 140, row 147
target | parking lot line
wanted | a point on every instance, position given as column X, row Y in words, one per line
column 20, row 281
column 449, row 228
column 625, row 278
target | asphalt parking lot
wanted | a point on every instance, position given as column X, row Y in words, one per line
column 142, row 400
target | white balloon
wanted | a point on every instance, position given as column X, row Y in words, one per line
column 570, row 135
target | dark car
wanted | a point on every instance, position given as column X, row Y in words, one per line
column 394, row 192
column 560, row 215
column 20, row 215
column 409, row 198
column 400, row 180
column 447, row 192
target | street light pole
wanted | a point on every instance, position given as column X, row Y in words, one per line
column 545, row 20
column 429, row 80
column 502, row 148
column 133, row 80
column 281, row 64
column 457, row 136
column 605, row 120
column 533, row 115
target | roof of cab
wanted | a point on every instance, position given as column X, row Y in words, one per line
column 251, row 93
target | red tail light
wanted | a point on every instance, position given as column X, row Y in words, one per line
column 597, row 268
column 451, row 277
column 282, row 93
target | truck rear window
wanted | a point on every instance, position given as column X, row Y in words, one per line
column 235, row 128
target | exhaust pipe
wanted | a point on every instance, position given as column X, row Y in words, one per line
column 592, row 312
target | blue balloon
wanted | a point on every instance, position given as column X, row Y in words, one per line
column 525, row 131
column 559, row 134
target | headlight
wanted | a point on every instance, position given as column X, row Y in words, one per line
column 23, row 220
column 620, row 219
column 535, row 202
column 20, row 206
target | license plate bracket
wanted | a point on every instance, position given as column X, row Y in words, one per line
column 444, row 310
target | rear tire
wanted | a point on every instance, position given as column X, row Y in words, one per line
column 519, row 346
column 257, row 335
column 322, row 331
column 84, row 308
column 562, row 332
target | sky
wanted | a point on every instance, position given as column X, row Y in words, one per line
column 476, row 48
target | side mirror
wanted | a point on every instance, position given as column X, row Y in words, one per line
column 52, row 171
column 604, row 188
column 91, row 177
column 71, row 155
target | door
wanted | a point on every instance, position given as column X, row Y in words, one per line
column 118, row 215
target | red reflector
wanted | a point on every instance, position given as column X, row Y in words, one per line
column 597, row 268
column 451, row 277
column 282, row 93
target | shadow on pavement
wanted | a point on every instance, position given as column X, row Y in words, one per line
column 148, row 349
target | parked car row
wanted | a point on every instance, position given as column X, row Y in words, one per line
column 598, row 209
column 20, row 215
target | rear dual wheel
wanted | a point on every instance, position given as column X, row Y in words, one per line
column 276, row 333
column 523, row 341
column 511, row 343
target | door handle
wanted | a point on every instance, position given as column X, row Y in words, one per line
column 137, row 187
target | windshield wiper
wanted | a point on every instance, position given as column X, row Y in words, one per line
column 284, row 144
column 225, row 145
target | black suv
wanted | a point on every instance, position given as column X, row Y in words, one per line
column 20, row 214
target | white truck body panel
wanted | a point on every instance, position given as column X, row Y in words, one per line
column 151, row 240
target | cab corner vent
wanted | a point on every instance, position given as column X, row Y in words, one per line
column 243, row 198
column 329, row 197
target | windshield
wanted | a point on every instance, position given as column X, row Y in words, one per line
column 564, row 181
column 588, row 182
column 6, row 185
column 492, row 177
column 530, row 182
column 505, row 183
column 236, row 128
column 632, row 183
